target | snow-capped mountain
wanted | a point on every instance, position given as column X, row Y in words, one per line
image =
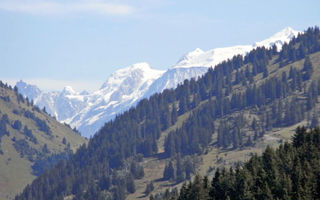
column 25, row 89
column 62, row 105
column 197, row 62
column 210, row 58
column 125, row 87
column 121, row 91
column 89, row 111
column 172, row 77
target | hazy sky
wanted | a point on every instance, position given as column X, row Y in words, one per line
column 81, row 42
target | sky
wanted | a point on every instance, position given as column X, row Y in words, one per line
column 53, row 43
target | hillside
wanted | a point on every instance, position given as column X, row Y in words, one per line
column 30, row 141
column 289, row 172
column 228, row 114
column 244, row 132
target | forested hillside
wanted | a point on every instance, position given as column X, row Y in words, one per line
column 290, row 172
column 233, row 106
column 30, row 141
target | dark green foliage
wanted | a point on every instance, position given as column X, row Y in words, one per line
column 17, row 112
column 45, row 149
column 5, row 98
column 136, row 170
column 290, row 172
column 194, row 135
column 5, row 119
column 27, row 132
column 3, row 126
column 131, row 188
column 40, row 158
column 24, row 149
column 149, row 188
column 41, row 124
column 168, row 173
column 17, row 125
column 307, row 68
column 314, row 121
column 181, row 169
column 64, row 141
column 180, row 172
column 171, row 195
column 42, row 164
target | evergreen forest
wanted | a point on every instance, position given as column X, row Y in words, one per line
column 292, row 171
column 279, row 88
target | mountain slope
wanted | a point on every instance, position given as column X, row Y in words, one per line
column 28, row 138
column 234, row 107
column 125, row 87
column 289, row 172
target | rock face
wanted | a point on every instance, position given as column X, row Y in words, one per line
column 125, row 87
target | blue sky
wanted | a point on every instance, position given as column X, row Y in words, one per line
column 52, row 43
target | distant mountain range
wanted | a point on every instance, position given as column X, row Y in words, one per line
column 125, row 87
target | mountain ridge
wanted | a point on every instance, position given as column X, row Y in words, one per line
column 212, row 57
column 125, row 87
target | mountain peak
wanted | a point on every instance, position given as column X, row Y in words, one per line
column 197, row 50
column 21, row 83
column 28, row 90
column 191, row 55
column 287, row 33
column 279, row 38
column 141, row 71
column 141, row 66
column 68, row 90
column 288, row 30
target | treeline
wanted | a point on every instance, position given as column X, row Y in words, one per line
column 195, row 134
column 308, row 42
column 290, row 172
column 136, row 131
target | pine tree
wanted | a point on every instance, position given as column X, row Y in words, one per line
column 314, row 120
column 307, row 68
column 180, row 172
column 168, row 173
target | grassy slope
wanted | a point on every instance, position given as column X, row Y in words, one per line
column 15, row 171
column 215, row 157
